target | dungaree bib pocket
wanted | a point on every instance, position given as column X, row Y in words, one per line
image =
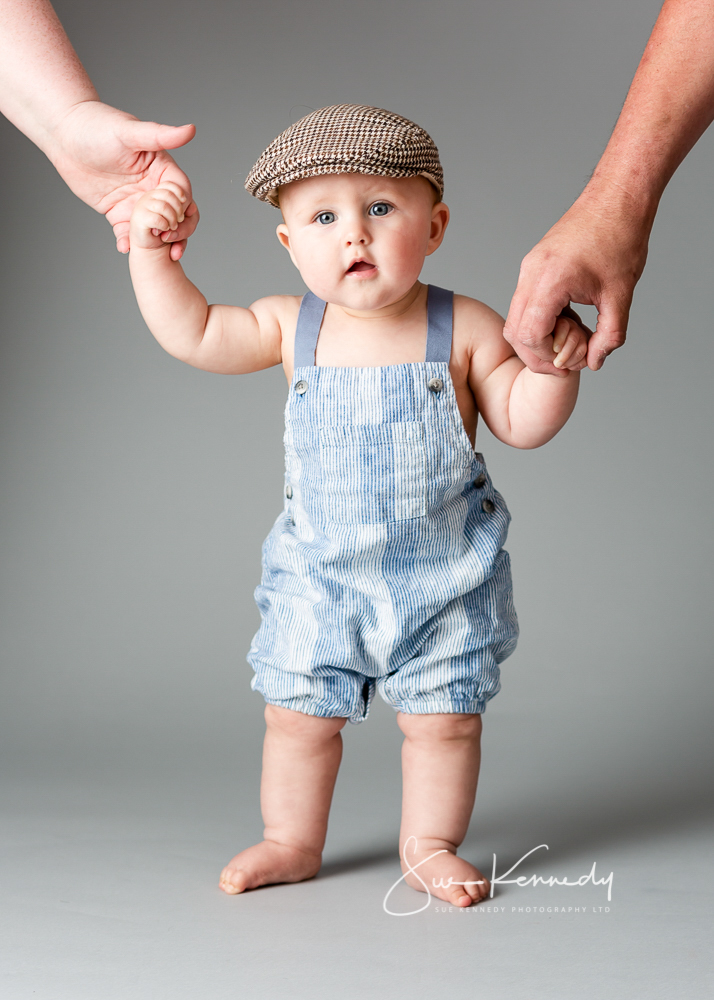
column 373, row 473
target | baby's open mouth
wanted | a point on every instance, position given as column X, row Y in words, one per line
column 360, row 265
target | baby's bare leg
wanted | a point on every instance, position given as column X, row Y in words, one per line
column 440, row 763
column 301, row 757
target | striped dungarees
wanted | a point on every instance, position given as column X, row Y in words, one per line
column 386, row 567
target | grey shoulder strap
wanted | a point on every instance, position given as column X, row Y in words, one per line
column 440, row 310
column 307, row 331
column 440, row 323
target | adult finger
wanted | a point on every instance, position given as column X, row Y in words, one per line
column 535, row 363
column 154, row 136
column 178, row 249
column 515, row 310
column 570, row 313
column 610, row 331
column 532, row 316
column 538, row 321
column 121, row 234
column 166, row 169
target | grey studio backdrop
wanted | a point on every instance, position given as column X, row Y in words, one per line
column 136, row 493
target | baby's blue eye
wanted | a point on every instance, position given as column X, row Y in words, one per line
column 380, row 208
column 325, row 218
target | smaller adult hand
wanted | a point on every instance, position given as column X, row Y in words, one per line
column 594, row 255
column 109, row 159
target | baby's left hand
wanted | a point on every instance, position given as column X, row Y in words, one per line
column 570, row 343
column 158, row 214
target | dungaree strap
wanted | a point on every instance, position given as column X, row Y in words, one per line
column 440, row 322
column 439, row 318
column 307, row 331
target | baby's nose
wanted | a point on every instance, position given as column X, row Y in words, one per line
column 357, row 236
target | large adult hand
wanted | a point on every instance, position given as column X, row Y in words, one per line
column 109, row 159
column 594, row 255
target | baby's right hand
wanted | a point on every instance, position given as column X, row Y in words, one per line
column 157, row 213
column 570, row 343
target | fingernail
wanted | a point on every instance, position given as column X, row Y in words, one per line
column 182, row 217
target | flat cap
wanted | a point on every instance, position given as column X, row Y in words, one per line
column 346, row 138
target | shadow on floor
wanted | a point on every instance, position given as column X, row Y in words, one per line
column 572, row 821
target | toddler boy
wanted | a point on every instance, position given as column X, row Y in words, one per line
column 386, row 569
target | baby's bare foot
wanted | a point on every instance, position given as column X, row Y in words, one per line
column 446, row 876
column 266, row 863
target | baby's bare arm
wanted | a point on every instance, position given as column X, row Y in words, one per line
column 216, row 338
column 521, row 408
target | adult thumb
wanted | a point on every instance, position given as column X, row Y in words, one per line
column 153, row 136
column 610, row 331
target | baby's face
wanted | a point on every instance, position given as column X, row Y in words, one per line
column 359, row 241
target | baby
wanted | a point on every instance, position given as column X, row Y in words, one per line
column 385, row 569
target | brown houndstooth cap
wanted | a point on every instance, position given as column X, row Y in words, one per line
column 346, row 138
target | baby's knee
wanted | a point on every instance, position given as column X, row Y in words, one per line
column 299, row 726
column 440, row 726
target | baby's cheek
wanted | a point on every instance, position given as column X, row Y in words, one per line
column 317, row 269
column 408, row 258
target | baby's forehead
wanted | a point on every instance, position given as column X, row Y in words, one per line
column 354, row 186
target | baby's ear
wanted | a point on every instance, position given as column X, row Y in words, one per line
column 283, row 235
column 284, row 238
column 439, row 221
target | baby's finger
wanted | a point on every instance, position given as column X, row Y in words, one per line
column 577, row 366
column 175, row 189
column 187, row 226
column 579, row 356
column 560, row 333
column 573, row 343
column 164, row 211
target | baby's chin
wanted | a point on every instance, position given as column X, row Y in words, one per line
column 364, row 292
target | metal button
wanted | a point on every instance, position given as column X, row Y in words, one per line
column 289, row 491
column 480, row 481
column 300, row 387
column 488, row 506
column 435, row 384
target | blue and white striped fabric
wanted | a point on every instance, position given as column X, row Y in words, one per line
column 386, row 567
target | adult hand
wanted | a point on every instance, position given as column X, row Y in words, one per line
column 594, row 255
column 109, row 159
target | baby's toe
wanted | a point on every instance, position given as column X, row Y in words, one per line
column 481, row 891
column 476, row 889
column 232, row 881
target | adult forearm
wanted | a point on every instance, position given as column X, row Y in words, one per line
column 41, row 77
column 668, row 107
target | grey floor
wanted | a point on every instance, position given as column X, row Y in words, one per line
column 109, row 882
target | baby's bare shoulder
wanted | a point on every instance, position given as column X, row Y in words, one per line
column 278, row 309
column 479, row 346
column 475, row 322
column 280, row 314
